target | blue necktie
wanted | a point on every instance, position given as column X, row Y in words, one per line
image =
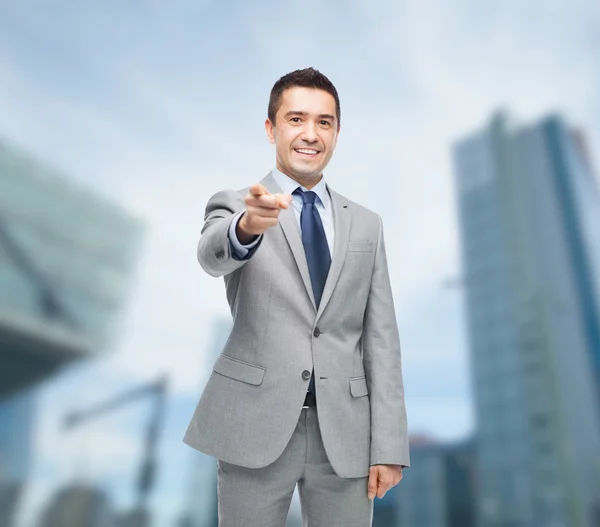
column 316, row 249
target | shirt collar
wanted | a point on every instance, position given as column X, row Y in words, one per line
column 288, row 185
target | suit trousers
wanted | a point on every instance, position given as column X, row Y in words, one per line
column 262, row 497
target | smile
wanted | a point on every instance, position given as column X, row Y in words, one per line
column 306, row 151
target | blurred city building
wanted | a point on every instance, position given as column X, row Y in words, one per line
column 530, row 219
column 140, row 515
column 438, row 492
column 201, row 507
column 16, row 422
column 79, row 506
column 67, row 259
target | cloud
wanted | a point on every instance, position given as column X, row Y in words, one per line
column 161, row 107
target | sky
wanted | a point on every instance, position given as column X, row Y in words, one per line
column 158, row 105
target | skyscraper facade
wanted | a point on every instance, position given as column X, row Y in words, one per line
column 529, row 213
column 438, row 491
column 67, row 258
column 77, row 506
column 16, row 427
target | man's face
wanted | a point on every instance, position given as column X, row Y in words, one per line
column 305, row 132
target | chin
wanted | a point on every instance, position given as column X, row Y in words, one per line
column 307, row 172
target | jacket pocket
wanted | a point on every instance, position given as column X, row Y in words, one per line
column 360, row 246
column 239, row 370
column 358, row 387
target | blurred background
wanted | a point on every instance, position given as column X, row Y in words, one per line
column 472, row 128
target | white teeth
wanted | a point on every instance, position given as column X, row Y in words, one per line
column 306, row 151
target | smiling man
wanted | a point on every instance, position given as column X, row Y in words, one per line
column 308, row 390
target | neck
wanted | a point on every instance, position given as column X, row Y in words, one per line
column 307, row 182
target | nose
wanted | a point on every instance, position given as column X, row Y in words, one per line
column 309, row 132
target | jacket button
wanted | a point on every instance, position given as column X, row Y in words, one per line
column 317, row 332
column 306, row 375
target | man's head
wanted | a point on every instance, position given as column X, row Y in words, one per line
column 303, row 123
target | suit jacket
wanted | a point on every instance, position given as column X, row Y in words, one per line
column 252, row 401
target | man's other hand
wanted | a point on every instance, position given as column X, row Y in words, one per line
column 262, row 212
column 382, row 478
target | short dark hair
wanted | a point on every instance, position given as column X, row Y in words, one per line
column 306, row 78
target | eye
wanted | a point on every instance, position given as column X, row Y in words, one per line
column 295, row 119
column 325, row 123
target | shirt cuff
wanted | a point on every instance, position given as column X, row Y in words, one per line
column 241, row 251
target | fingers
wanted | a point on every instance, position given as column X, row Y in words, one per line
column 373, row 480
column 263, row 212
column 262, row 209
column 269, row 201
column 383, row 487
column 259, row 190
column 257, row 220
column 259, row 196
column 380, row 481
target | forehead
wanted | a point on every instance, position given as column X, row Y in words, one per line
column 309, row 100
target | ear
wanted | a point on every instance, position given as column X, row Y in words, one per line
column 269, row 128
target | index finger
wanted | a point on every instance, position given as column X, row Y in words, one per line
column 259, row 190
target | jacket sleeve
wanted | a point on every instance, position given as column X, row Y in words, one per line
column 215, row 252
column 383, row 368
column 239, row 251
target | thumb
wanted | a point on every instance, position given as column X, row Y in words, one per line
column 372, row 487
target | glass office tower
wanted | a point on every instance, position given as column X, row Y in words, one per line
column 438, row 491
column 67, row 259
column 16, row 428
column 530, row 221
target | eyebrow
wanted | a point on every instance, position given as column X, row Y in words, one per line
column 304, row 114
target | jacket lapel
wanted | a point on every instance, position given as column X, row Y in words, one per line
column 291, row 230
column 342, row 221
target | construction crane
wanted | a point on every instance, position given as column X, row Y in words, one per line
column 139, row 515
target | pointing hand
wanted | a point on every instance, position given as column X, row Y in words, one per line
column 262, row 212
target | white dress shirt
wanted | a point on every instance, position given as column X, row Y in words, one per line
column 288, row 185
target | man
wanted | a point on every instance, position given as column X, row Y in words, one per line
column 308, row 389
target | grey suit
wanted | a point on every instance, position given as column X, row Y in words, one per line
column 253, row 400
